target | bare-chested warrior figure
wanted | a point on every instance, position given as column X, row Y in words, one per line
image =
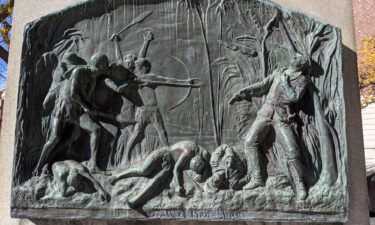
column 140, row 90
column 61, row 72
column 70, row 177
column 165, row 164
column 122, row 71
column 147, row 111
column 73, row 107
column 125, row 66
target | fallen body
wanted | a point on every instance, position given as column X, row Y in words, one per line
column 71, row 177
column 228, row 171
column 165, row 164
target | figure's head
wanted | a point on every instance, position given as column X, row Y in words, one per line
column 75, row 180
column 72, row 59
column 129, row 61
column 143, row 66
column 197, row 164
column 300, row 62
column 228, row 159
column 100, row 62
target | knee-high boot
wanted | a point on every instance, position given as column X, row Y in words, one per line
column 254, row 167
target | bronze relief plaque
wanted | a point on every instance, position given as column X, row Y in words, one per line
column 183, row 110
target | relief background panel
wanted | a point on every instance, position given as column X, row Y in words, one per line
column 335, row 12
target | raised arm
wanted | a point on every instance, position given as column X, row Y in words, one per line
column 116, row 40
column 147, row 37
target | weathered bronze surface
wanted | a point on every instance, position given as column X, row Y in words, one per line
column 181, row 109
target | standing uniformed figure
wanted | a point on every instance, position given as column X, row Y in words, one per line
column 283, row 88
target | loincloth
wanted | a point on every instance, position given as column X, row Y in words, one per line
column 148, row 115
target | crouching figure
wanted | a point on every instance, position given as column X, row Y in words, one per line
column 71, row 177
